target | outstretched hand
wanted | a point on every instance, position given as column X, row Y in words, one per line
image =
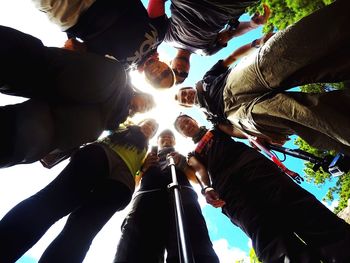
column 212, row 198
column 258, row 19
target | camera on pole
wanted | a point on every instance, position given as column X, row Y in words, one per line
column 336, row 166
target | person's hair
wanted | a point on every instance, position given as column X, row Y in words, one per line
column 166, row 131
column 157, row 81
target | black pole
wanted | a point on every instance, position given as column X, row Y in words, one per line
column 297, row 153
column 185, row 254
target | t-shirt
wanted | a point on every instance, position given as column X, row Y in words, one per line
column 125, row 155
column 223, row 157
column 121, row 29
column 158, row 177
column 194, row 24
column 211, row 97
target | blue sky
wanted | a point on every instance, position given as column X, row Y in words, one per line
column 227, row 238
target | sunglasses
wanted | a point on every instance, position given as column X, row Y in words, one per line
column 180, row 74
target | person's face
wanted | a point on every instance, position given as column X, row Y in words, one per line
column 142, row 103
column 187, row 97
column 181, row 67
column 158, row 73
column 187, row 126
column 149, row 128
column 166, row 140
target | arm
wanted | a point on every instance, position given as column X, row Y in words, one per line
column 232, row 131
column 138, row 177
column 211, row 196
column 246, row 49
column 203, row 177
column 191, row 174
column 181, row 163
column 238, row 53
column 244, row 27
column 150, row 160
column 156, row 8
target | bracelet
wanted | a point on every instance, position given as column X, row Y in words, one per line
column 205, row 188
column 254, row 44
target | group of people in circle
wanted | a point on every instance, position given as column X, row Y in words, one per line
column 78, row 91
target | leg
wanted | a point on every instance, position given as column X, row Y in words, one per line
column 310, row 44
column 321, row 229
column 83, row 78
column 23, row 63
column 24, row 225
column 30, row 69
column 317, row 118
column 196, row 229
column 270, row 208
column 27, row 133
column 83, row 224
column 144, row 229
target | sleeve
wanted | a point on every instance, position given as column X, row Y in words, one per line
column 216, row 46
column 156, row 8
column 161, row 24
column 216, row 70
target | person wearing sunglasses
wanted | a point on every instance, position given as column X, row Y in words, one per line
column 205, row 27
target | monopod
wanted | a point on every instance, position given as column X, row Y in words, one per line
column 335, row 165
column 295, row 176
column 185, row 254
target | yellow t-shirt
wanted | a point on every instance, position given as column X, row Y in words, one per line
column 130, row 156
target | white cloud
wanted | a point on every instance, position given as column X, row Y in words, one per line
column 229, row 254
column 331, row 205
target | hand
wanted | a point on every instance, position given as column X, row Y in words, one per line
column 179, row 160
column 266, row 37
column 74, row 45
column 212, row 198
column 151, row 160
column 258, row 19
column 224, row 36
column 275, row 139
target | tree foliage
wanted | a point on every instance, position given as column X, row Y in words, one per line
column 287, row 12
